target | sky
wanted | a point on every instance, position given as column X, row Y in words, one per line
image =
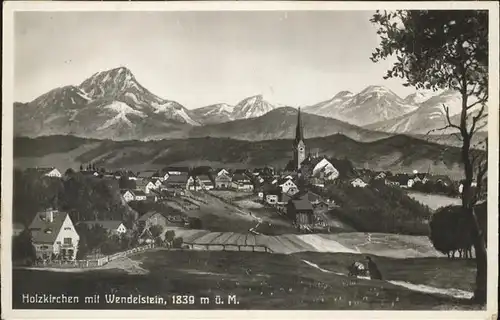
column 200, row 58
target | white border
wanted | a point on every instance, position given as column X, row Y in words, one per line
column 7, row 157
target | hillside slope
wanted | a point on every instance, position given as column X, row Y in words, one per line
column 398, row 153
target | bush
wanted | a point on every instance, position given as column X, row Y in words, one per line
column 22, row 248
column 177, row 243
column 451, row 228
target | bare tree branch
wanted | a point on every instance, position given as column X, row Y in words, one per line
column 480, row 101
column 476, row 119
column 447, row 112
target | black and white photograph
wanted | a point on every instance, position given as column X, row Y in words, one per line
column 245, row 157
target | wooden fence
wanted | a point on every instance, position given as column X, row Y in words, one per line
column 91, row 263
column 228, row 247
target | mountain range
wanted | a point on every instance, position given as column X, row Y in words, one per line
column 113, row 105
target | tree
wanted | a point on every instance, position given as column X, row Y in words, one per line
column 170, row 236
column 446, row 50
column 22, row 247
column 69, row 172
column 177, row 242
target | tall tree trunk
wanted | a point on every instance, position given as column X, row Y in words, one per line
column 468, row 207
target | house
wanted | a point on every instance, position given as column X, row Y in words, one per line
column 152, row 218
column 358, row 183
column 157, row 183
column 288, row 186
column 421, row 177
column 241, row 182
column 300, row 211
column 145, row 185
column 272, row 198
column 402, row 180
column 45, row 172
column 140, row 195
column 53, row 233
column 382, row 175
column 177, row 181
column 128, row 195
column 112, row 226
column 175, row 171
column 193, row 183
column 325, row 169
column 223, row 180
column 206, row 182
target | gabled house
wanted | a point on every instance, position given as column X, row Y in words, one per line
column 53, row 233
column 112, row 226
column 157, row 183
column 206, row 182
column 402, row 180
column 152, row 218
column 145, row 185
column 46, row 172
column 223, row 181
column 380, row 176
column 288, row 186
column 358, row 183
column 325, row 170
column 128, row 195
column 193, row 183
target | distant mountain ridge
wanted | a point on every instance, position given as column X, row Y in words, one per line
column 373, row 104
column 113, row 105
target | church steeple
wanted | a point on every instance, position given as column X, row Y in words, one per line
column 299, row 134
column 299, row 146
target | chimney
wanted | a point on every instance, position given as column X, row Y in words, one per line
column 50, row 215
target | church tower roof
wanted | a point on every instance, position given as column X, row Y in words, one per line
column 299, row 131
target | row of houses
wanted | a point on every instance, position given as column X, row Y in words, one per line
column 54, row 233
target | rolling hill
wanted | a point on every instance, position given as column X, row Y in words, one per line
column 397, row 153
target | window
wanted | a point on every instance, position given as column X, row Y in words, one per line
column 67, row 228
column 68, row 241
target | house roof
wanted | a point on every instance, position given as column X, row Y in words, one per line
column 106, row 224
column 123, row 191
column 175, row 168
column 181, row 178
column 142, row 183
column 223, row 176
column 45, row 231
column 204, row 177
column 146, row 174
column 301, row 204
column 240, row 177
column 309, row 196
column 139, row 193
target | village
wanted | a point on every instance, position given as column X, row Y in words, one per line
column 296, row 193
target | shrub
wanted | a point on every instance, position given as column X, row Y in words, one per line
column 177, row 243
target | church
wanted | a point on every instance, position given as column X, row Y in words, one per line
column 299, row 147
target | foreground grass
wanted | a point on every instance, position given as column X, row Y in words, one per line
column 259, row 280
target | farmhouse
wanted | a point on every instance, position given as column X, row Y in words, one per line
column 45, row 172
column 223, row 172
column 53, row 233
column 112, row 226
column 223, row 180
column 193, row 183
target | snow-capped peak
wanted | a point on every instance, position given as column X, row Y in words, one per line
column 252, row 107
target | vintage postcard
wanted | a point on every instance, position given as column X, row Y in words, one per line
column 250, row 160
